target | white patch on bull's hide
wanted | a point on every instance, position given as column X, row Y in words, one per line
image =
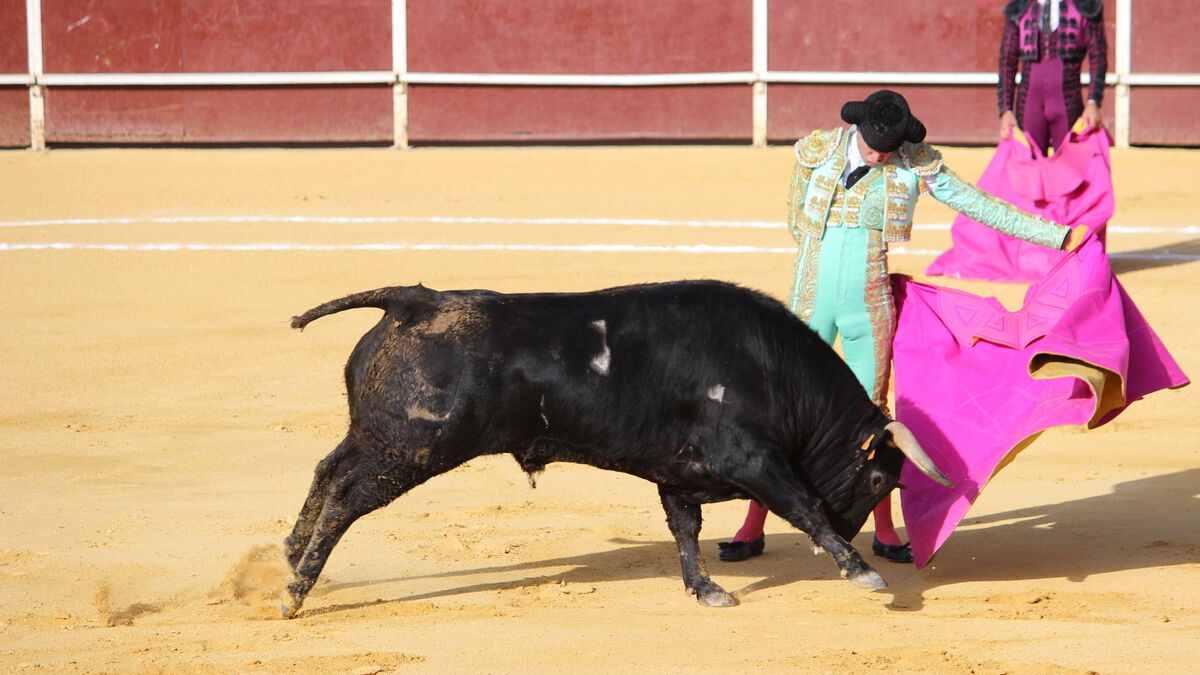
column 542, row 412
column 423, row 413
column 602, row 360
column 717, row 393
column 817, row 550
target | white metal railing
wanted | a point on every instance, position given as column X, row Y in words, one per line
column 557, row 80
column 399, row 77
column 215, row 79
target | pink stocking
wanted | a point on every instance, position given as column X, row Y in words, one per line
column 752, row 529
column 885, row 530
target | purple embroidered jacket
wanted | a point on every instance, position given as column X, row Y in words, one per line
column 1080, row 33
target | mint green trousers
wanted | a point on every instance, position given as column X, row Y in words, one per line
column 841, row 288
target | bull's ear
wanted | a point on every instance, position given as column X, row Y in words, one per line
column 869, row 447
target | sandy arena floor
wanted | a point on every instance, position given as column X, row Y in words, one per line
column 159, row 423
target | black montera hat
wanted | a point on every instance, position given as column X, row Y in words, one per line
column 884, row 121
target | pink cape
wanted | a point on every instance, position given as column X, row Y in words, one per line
column 1072, row 187
column 976, row 383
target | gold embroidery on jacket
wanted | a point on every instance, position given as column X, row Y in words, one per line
column 881, row 309
column 921, row 159
column 800, row 178
column 816, row 148
column 804, row 288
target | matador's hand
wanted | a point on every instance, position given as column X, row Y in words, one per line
column 1075, row 237
column 1008, row 122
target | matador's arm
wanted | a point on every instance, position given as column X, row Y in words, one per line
column 958, row 194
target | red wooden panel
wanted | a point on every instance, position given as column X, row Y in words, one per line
column 218, row 114
column 578, row 36
column 112, row 36
column 269, row 35
column 1164, row 38
column 1164, row 41
column 1164, row 116
column 14, row 117
column 896, row 35
column 150, row 36
column 449, row 113
column 951, row 114
column 14, row 49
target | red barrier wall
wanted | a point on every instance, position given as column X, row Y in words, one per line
column 14, row 45
column 14, row 101
column 1164, row 40
column 896, row 35
column 849, row 36
column 450, row 113
column 341, row 114
column 578, row 37
column 534, row 36
column 195, row 36
column 14, row 117
column 918, row 36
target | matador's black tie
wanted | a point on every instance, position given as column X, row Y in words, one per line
column 855, row 175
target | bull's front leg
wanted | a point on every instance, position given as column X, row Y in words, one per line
column 683, row 517
column 774, row 485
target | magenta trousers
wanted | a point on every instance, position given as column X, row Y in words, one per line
column 1044, row 117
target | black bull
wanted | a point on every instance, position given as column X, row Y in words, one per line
column 711, row 391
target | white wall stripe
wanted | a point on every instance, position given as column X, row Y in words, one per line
column 582, row 248
column 763, row 77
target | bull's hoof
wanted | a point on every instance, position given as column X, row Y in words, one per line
column 716, row 598
column 288, row 606
column 869, row 579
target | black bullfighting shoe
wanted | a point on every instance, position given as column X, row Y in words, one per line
column 735, row 551
column 891, row 553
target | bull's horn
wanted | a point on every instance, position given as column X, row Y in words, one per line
column 903, row 439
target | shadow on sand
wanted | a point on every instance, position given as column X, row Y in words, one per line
column 1149, row 522
column 1159, row 256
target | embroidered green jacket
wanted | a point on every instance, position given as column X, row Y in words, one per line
column 884, row 199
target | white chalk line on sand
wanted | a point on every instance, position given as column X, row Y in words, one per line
column 404, row 246
column 451, row 220
column 580, row 248
column 385, row 220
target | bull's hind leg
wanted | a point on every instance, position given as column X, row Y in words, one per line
column 327, row 469
column 774, row 485
column 358, row 485
column 347, row 499
column 683, row 517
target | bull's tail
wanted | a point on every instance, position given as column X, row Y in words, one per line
column 388, row 299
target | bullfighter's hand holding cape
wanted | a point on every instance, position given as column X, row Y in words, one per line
column 977, row 383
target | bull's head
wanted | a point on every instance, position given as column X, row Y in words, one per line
column 881, row 457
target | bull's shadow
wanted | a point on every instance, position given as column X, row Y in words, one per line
column 1158, row 256
column 1148, row 522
